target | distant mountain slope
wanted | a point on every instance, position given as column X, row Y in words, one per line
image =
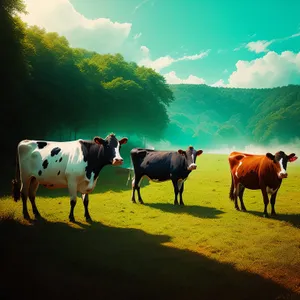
column 216, row 116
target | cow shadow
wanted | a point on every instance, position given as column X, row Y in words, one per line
column 193, row 210
column 103, row 262
column 293, row 219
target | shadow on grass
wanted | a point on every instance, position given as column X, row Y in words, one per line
column 293, row 219
column 56, row 261
column 193, row 210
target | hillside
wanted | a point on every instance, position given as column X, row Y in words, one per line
column 218, row 116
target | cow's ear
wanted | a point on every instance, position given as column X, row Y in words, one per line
column 123, row 140
column 99, row 140
column 181, row 152
column 270, row 156
column 199, row 152
column 292, row 157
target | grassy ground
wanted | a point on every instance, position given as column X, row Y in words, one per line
column 205, row 250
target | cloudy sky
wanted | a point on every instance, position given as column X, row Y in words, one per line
column 217, row 42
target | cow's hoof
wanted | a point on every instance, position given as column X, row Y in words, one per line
column 273, row 214
column 244, row 209
column 237, row 208
column 141, row 202
column 266, row 215
column 133, row 201
column 72, row 219
column 175, row 203
column 37, row 216
column 88, row 219
column 26, row 217
column 182, row 204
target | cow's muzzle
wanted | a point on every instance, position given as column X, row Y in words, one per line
column 282, row 175
column 192, row 167
column 117, row 161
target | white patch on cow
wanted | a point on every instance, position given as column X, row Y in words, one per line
column 282, row 170
column 236, row 172
column 117, row 159
column 68, row 166
column 270, row 190
column 91, row 182
column 192, row 166
column 193, row 158
column 179, row 183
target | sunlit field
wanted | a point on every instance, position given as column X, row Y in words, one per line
column 204, row 250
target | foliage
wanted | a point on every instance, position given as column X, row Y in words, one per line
column 235, row 116
column 54, row 91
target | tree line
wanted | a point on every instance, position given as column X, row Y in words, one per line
column 50, row 89
column 234, row 116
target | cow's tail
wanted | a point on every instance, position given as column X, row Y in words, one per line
column 16, row 182
column 231, row 196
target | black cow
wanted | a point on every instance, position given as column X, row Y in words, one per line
column 160, row 166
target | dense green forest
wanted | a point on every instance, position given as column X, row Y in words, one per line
column 50, row 90
column 212, row 117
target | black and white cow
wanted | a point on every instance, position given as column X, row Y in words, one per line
column 73, row 164
column 160, row 166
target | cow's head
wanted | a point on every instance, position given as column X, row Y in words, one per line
column 281, row 160
column 112, row 148
column 191, row 155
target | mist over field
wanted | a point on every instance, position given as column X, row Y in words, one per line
column 274, row 146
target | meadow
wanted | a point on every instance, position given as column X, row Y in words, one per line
column 204, row 250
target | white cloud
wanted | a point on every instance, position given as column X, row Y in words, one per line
column 219, row 83
column 258, row 46
column 165, row 61
column 270, row 70
column 101, row 35
column 252, row 35
column 240, row 47
column 172, row 78
column 145, row 51
column 140, row 5
column 138, row 35
column 262, row 45
column 295, row 35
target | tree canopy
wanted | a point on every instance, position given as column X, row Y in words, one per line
column 55, row 91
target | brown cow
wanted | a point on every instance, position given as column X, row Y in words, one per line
column 254, row 172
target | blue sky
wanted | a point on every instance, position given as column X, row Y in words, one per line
column 216, row 42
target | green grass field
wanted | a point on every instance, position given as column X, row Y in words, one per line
column 205, row 250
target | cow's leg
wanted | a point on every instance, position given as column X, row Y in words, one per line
column 241, row 194
column 236, row 193
column 139, row 195
column 181, row 189
column 133, row 190
column 32, row 192
column 24, row 194
column 273, row 199
column 136, row 186
column 175, row 185
column 72, row 186
column 266, row 200
column 85, row 198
